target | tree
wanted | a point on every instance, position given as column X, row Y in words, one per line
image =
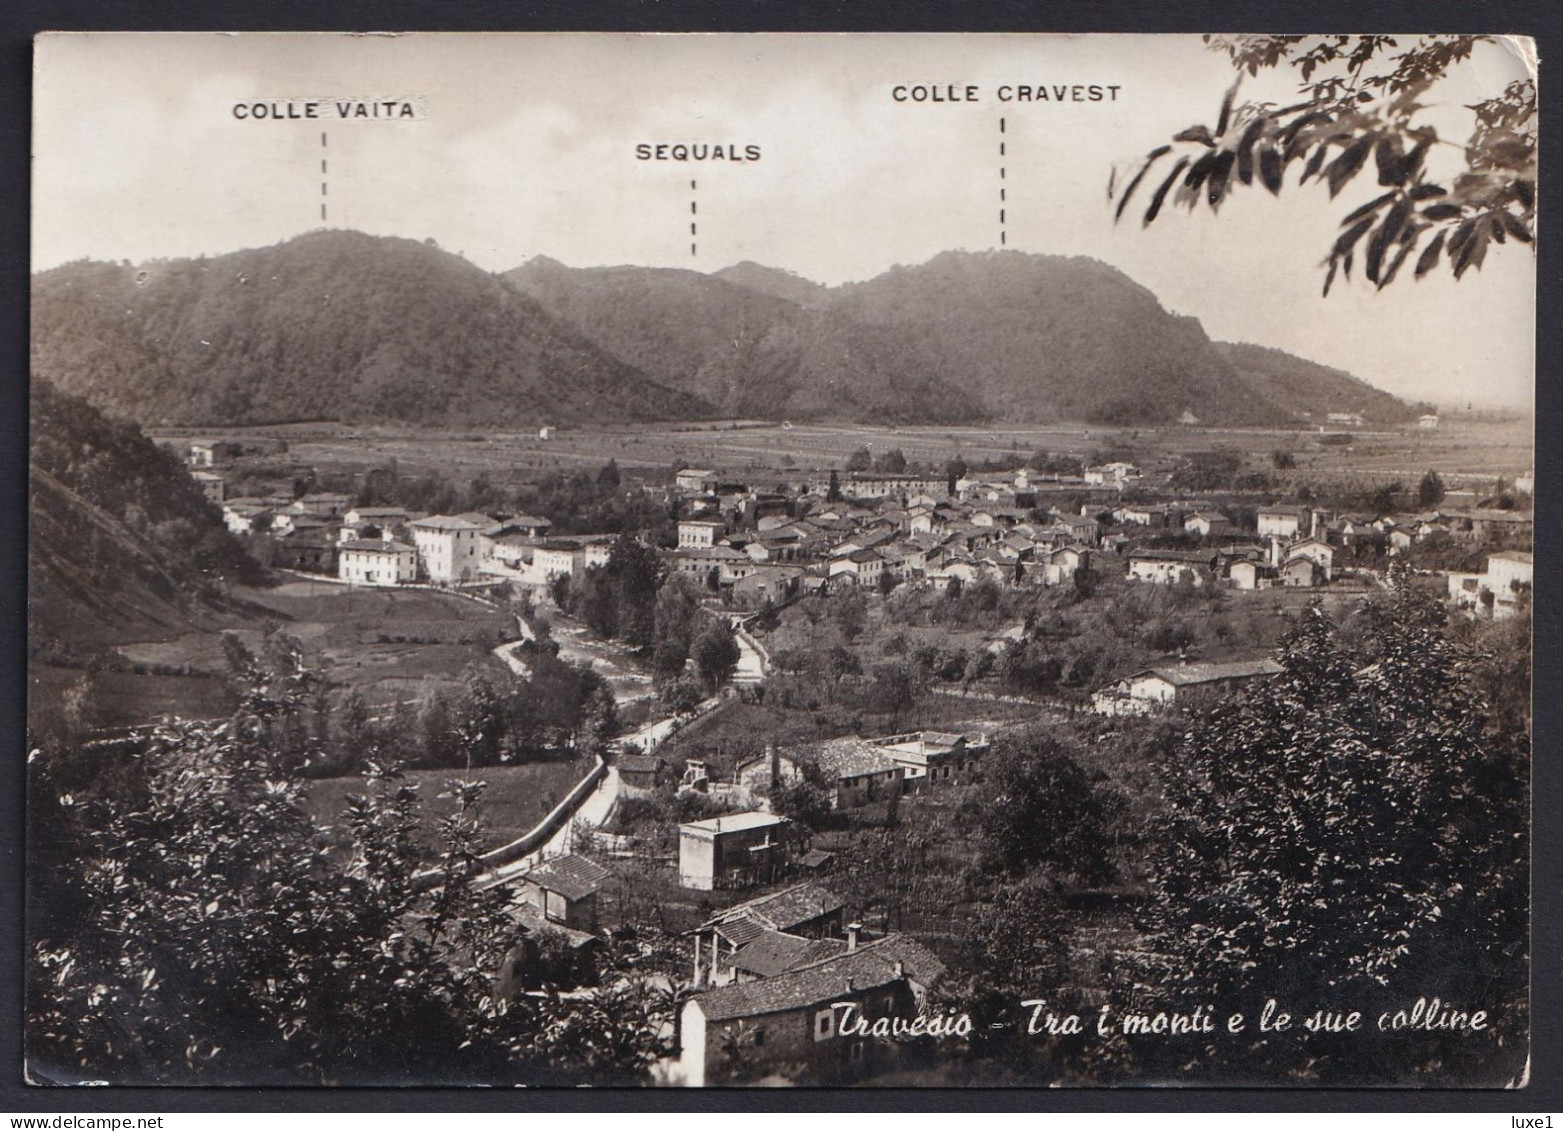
column 833, row 492
column 860, row 460
column 892, row 461
column 1430, row 491
column 1361, row 102
column 218, row 947
column 850, row 610
column 680, row 697
column 805, row 799
column 674, row 622
column 716, row 654
column 894, row 688
column 608, row 478
column 1282, row 459
column 768, row 619
column 1043, row 808
column 1353, row 830
column 636, row 572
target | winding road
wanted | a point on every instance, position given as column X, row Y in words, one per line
column 598, row 804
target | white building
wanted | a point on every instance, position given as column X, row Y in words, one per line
column 699, row 534
column 371, row 562
column 1284, row 522
column 1112, row 474
column 1178, row 685
column 451, row 547
column 559, row 558
column 695, row 480
column 863, row 566
column 1168, row 567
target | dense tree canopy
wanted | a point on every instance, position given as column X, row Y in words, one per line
column 199, row 931
column 1352, row 832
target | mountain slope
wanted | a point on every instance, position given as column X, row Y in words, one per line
column 1041, row 338
column 964, row 337
column 773, row 281
column 748, row 352
column 341, row 325
column 335, row 325
column 1298, row 386
column 122, row 543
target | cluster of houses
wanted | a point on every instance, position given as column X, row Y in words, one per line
column 781, row 983
column 1500, row 590
column 873, row 529
column 749, row 847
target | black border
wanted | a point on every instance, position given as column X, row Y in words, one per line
column 20, row 21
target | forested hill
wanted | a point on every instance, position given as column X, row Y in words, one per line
column 748, row 352
column 774, row 281
column 122, row 542
column 342, row 325
column 330, row 325
column 1307, row 386
column 966, row 336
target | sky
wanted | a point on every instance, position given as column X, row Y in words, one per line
column 525, row 145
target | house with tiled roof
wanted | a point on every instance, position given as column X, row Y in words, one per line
column 639, row 771
column 1178, row 685
column 860, row 566
column 451, row 547
column 805, row 1019
column 565, row 890
column 377, row 561
column 806, row 911
column 1167, row 567
column 1284, row 521
column 930, row 757
column 856, row 772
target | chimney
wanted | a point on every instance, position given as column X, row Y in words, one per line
column 899, row 968
column 852, row 931
column 775, row 763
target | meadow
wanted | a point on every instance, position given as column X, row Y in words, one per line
column 1462, row 448
column 514, row 800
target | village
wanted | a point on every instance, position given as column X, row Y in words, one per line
column 743, row 837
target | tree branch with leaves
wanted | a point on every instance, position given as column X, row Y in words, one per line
column 1361, row 107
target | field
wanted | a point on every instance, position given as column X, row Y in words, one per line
column 517, row 797
column 390, row 645
column 1462, row 447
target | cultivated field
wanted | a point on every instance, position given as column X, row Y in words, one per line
column 390, row 645
column 516, row 797
column 1461, row 447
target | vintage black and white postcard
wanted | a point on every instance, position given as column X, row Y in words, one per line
column 657, row 560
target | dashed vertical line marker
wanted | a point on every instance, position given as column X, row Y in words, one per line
column 1003, row 234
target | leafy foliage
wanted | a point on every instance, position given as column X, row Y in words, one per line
column 1359, row 107
column 716, row 654
column 1355, row 830
column 199, row 932
column 1044, row 809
